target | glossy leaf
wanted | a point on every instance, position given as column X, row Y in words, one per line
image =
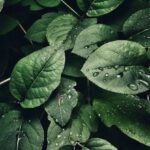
column 1, row 5
column 130, row 114
column 63, row 31
column 137, row 27
column 98, row 144
column 36, row 76
column 60, row 107
column 97, row 35
column 37, row 32
column 98, row 7
column 117, row 66
column 49, row 3
column 20, row 133
column 7, row 24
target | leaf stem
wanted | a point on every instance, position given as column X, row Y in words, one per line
column 4, row 81
column 88, row 92
column 70, row 8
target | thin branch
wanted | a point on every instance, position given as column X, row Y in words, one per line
column 24, row 31
column 4, row 81
column 70, row 8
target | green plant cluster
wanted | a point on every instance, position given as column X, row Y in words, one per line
column 74, row 75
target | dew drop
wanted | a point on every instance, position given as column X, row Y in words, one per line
column 69, row 96
column 133, row 87
column 58, row 136
column 106, row 75
column 116, row 67
column 95, row 74
column 3, row 116
column 126, row 68
column 100, row 68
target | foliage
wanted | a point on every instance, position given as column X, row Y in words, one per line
column 74, row 74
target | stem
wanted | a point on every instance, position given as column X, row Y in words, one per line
column 88, row 92
column 70, row 8
column 4, row 81
column 24, row 31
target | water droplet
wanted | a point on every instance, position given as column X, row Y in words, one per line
column 106, row 75
column 56, row 144
column 58, row 136
column 69, row 96
column 146, row 84
column 116, row 67
column 86, row 47
column 29, row 121
column 3, row 116
column 90, row 116
column 133, row 87
column 100, row 68
column 118, row 76
column 95, row 74
column 126, row 68
column 70, row 133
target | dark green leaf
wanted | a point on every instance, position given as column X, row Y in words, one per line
column 63, row 31
column 97, row 34
column 49, row 3
column 137, row 27
column 130, row 114
column 36, row 76
column 61, row 106
column 117, row 66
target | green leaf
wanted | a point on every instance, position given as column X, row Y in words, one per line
column 117, row 67
column 20, row 133
column 98, row 144
column 12, row 2
column 97, row 35
column 60, row 107
column 36, row 76
column 137, row 27
column 37, row 32
column 49, row 3
column 129, row 113
column 32, row 4
column 73, row 66
column 83, row 124
column 57, row 137
column 95, row 8
column 1, row 5
column 63, row 31
column 7, row 24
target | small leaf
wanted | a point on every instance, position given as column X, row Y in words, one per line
column 73, row 66
column 97, row 7
column 117, row 67
column 61, row 106
column 98, row 144
column 37, row 32
column 137, row 27
column 97, row 34
column 36, row 76
column 49, row 3
column 129, row 113
column 63, row 31
column 7, row 24
column 20, row 133
column 1, row 5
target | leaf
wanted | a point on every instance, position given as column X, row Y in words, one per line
column 63, row 31
column 49, row 3
column 57, row 137
column 117, row 67
column 98, row 144
column 73, row 66
column 129, row 113
column 32, row 4
column 12, row 2
column 1, row 5
column 60, row 107
column 94, row 8
column 37, row 32
column 20, row 133
column 97, row 35
column 83, row 124
column 36, row 76
column 7, row 24
column 137, row 27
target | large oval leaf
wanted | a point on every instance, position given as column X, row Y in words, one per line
column 37, row 32
column 98, row 144
column 60, row 107
column 98, row 7
column 116, row 66
column 20, row 133
column 137, row 27
column 1, row 4
column 97, row 34
column 130, row 114
column 36, row 76
column 64, row 29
